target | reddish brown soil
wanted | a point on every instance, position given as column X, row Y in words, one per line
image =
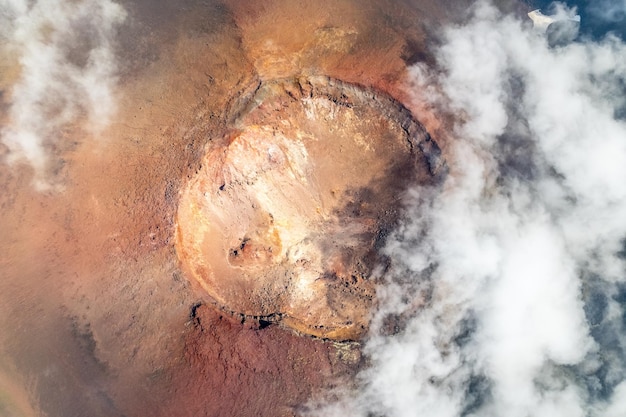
column 96, row 316
column 268, row 371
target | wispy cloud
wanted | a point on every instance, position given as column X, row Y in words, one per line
column 508, row 290
column 608, row 10
column 68, row 70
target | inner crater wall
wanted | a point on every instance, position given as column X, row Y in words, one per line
column 284, row 220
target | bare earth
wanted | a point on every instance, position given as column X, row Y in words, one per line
column 101, row 311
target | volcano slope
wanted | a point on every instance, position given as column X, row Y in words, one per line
column 160, row 276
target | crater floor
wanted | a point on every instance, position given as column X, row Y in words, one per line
column 284, row 219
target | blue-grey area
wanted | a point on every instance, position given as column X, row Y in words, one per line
column 598, row 17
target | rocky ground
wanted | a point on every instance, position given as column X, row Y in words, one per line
column 284, row 220
column 99, row 316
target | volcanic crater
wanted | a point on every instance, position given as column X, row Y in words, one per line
column 284, row 220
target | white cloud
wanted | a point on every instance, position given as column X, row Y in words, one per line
column 609, row 10
column 68, row 70
column 513, row 247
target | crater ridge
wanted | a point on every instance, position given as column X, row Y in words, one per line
column 285, row 218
